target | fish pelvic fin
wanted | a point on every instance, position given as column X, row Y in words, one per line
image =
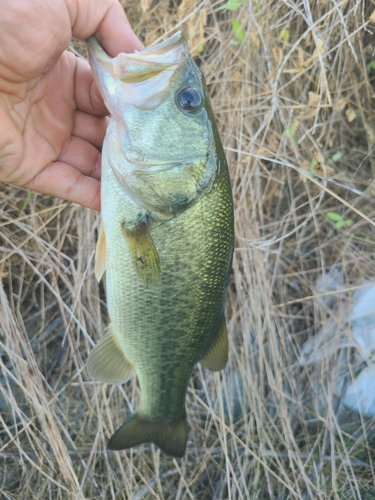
column 107, row 362
column 170, row 437
column 100, row 254
column 144, row 254
column 217, row 356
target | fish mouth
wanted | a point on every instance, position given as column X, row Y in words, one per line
column 145, row 64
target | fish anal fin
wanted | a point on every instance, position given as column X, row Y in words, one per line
column 100, row 254
column 107, row 362
column 217, row 356
column 170, row 437
column 144, row 253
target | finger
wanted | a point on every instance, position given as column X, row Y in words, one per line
column 116, row 34
column 83, row 156
column 87, row 95
column 90, row 128
column 64, row 181
column 108, row 20
column 11, row 147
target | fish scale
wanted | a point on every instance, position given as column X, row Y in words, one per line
column 167, row 238
column 177, row 309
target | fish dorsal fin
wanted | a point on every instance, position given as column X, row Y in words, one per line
column 217, row 356
column 144, row 254
column 100, row 254
column 107, row 362
column 171, row 437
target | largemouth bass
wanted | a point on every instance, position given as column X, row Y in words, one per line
column 166, row 240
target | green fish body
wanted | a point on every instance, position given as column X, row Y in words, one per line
column 166, row 240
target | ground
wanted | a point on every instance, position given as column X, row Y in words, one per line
column 292, row 87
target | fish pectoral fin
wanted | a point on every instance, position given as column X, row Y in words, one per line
column 107, row 362
column 144, row 253
column 100, row 254
column 217, row 356
column 171, row 437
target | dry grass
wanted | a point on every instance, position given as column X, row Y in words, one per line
column 294, row 106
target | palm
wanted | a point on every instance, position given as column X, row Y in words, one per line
column 46, row 128
column 43, row 113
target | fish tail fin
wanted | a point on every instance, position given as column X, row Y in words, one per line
column 171, row 437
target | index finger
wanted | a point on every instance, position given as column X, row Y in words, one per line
column 87, row 96
column 107, row 19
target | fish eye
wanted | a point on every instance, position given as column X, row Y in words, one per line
column 189, row 99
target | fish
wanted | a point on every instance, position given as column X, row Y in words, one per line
column 166, row 238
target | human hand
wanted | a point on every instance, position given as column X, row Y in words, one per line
column 52, row 117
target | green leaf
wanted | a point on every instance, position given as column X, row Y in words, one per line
column 25, row 203
column 229, row 5
column 290, row 133
column 334, row 216
column 292, row 128
column 238, row 31
column 336, row 157
column 284, row 37
column 342, row 224
column 314, row 163
column 371, row 67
